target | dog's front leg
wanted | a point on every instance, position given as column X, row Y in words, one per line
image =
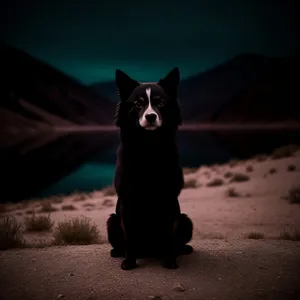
column 128, row 227
column 169, row 247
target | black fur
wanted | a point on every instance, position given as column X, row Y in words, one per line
column 148, row 178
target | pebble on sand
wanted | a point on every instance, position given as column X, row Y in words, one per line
column 179, row 288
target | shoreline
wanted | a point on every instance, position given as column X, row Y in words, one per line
column 191, row 127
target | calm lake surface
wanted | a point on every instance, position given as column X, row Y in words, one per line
column 61, row 164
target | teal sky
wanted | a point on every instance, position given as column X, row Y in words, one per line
column 90, row 39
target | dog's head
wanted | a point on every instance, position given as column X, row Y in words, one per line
column 148, row 106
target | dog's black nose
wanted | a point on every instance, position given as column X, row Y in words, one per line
column 151, row 118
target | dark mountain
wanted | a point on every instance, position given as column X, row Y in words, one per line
column 204, row 95
column 33, row 90
column 273, row 98
column 108, row 89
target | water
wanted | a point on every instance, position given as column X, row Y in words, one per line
column 61, row 164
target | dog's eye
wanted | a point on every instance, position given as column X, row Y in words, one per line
column 139, row 103
column 160, row 103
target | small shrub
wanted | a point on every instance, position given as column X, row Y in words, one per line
column 239, row 177
column 190, row 183
column 285, row 235
column 214, row 168
column 76, row 232
column 47, row 207
column 57, row 199
column 80, row 197
column 233, row 163
column 189, row 170
column 285, row 151
column 231, row 192
column 249, row 169
column 3, row 208
column 40, row 243
column 88, row 205
column 38, row 223
column 10, row 234
column 108, row 202
column 261, row 157
column 297, row 153
column 294, row 195
column 215, row 182
column 228, row 174
column 255, row 235
column 68, row 207
column 291, row 168
column 109, row 191
column 272, row 171
column 212, row 236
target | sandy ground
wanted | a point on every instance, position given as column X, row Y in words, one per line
column 216, row 270
column 225, row 265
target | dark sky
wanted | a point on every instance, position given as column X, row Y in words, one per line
column 90, row 39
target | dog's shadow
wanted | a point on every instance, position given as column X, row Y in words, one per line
column 197, row 260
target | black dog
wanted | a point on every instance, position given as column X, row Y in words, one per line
column 148, row 177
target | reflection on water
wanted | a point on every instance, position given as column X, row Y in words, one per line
column 50, row 163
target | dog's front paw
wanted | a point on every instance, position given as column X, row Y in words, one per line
column 116, row 253
column 170, row 264
column 186, row 250
column 128, row 264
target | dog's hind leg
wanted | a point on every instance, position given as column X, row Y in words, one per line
column 115, row 236
column 183, row 234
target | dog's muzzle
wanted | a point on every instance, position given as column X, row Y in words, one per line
column 150, row 121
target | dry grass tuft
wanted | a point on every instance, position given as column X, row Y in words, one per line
column 211, row 236
column 191, row 183
column 285, row 235
column 233, row 163
column 231, row 192
column 239, row 177
column 38, row 223
column 57, row 199
column 107, row 202
column 285, row 151
column 187, row 171
column 261, row 157
column 10, row 234
column 90, row 205
column 76, row 232
column 47, row 207
column 293, row 196
column 228, row 174
column 215, row 182
column 109, row 191
column 291, row 168
column 3, row 208
column 40, row 243
column 68, row 207
column 255, row 235
column 249, row 169
column 80, row 197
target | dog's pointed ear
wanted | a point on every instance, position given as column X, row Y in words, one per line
column 170, row 82
column 125, row 84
